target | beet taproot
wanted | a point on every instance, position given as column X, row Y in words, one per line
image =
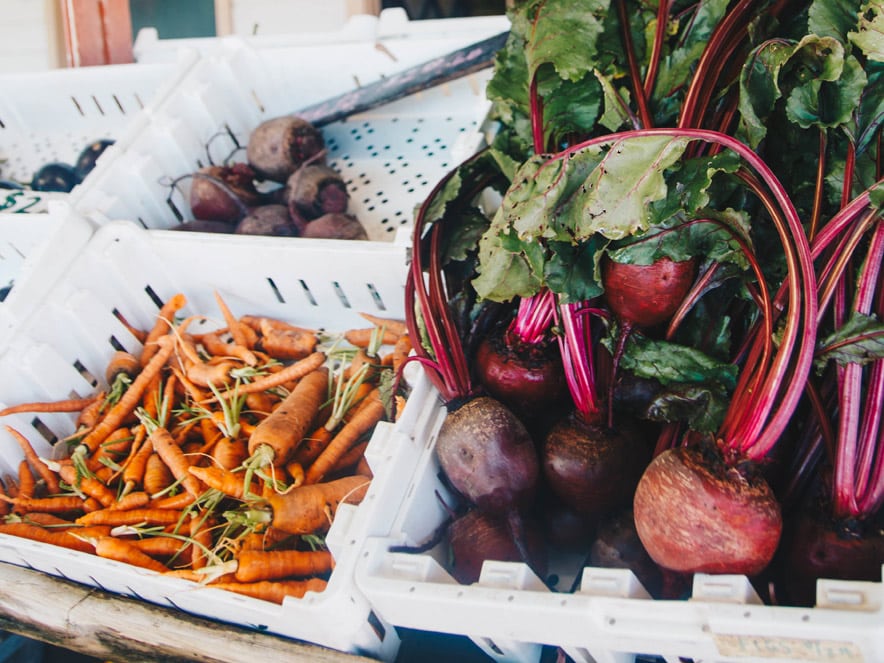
column 279, row 146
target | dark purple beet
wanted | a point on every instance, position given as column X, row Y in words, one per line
column 476, row 536
column 817, row 547
column 279, row 146
column 488, row 456
column 527, row 378
column 646, row 295
column 592, row 468
column 316, row 189
column 333, row 226
column 270, row 220
column 223, row 193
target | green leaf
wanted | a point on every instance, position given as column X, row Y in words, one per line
column 830, row 99
column 870, row 114
column 571, row 107
column 505, row 266
column 613, row 200
column 759, row 88
column 859, row 341
column 548, row 26
column 616, row 103
column 571, row 270
column 674, row 364
column 832, row 18
column 868, row 34
column 701, row 407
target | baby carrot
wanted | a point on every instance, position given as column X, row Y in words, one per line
column 394, row 326
column 117, row 517
column 294, row 371
column 273, row 590
column 308, row 508
column 131, row 398
column 162, row 325
column 369, row 413
column 67, row 405
column 175, row 459
column 253, row 565
column 225, row 481
column 89, row 486
column 44, row 535
column 49, row 477
column 26, row 481
column 111, row 547
column 157, row 475
column 51, row 504
column 283, row 429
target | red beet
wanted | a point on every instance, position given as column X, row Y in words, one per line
column 333, row 226
column 694, row 513
column 204, row 226
column 476, row 536
column 646, row 295
column 528, row 378
column 223, row 193
column 592, row 468
column 815, row 547
column 271, row 220
column 316, row 189
column 279, row 146
column 488, row 455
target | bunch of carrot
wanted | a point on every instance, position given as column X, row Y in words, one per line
column 221, row 457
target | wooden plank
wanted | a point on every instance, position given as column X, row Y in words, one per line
column 84, row 35
column 111, row 627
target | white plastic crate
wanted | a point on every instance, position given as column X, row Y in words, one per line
column 390, row 157
column 123, row 271
column 52, row 115
column 511, row 614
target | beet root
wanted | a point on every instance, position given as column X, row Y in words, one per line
column 204, row 226
column 592, row 468
column 815, row 547
column 646, row 295
column 529, row 379
column 488, row 455
column 279, row 146
column 696, row 514
column 333, row 226
column 316, row 189
column 476, row 536
column 271, row 220
column 223, row 193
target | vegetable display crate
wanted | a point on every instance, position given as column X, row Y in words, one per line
column 124, row 272
column 25, row 239
column 512, row 615
column 389, row 157
column 50, row 116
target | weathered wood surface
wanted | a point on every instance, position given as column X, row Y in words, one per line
column 116, row 628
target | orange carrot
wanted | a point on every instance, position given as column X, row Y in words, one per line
column 261, row 403
column 172, row 502
column 157, row 475
column 52, row 504
column 215, row 345
column 36, row 463
column 164, row 320
column 394, row 326
column 294, row 371
column 89, row 486
column 61, row 538
column 312, row 445
column 159, row 546
column 5, row 504
column 26, row 481
column 263, row 540
column 175, row 459
column 67, row 405
column 351, row 458
column 288, row 343
column 233, row 325
column 273, row 590
column 363, row 336
column 201, row 533
column 230, row 453
column 283, row 429
column 133, row 470
column 117, row 517
column 130, row 399
column 91, row 413
column 401, row 349
column 309, row 508
column 253, row 565
column 364, row 419
column 121, row 550
column 135, row 500
column 122, row 363
column 225, row 481
column 217, row 374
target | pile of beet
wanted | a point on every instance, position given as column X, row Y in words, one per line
column 284, row 188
